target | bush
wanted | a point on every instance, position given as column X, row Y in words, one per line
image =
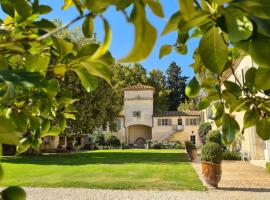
column 203, row 130
column 99, row 139
column 229, row 155
column 124, row 146
column 112, row 141
column 189, row 146
column 167, row 145
column 211, row 152
column 268, row 167
column 214, row 136
column 157, row 146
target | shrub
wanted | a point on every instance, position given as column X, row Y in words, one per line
column 268, row 167
column 203, row 130
column 230, row 155
column 157, row 146
column 124, row 146
column 189, row 146
column 211, row 152
column 112, row 141
column 98, row 139
column 214, row 136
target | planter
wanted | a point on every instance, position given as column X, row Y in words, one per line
column 192, row 154
column 211, row 173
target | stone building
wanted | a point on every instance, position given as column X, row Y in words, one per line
column 138, row 123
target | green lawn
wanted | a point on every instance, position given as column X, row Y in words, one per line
column 117, row 169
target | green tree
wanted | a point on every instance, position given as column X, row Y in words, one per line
column 157, row 80
column 176, row 83
column 189, row 105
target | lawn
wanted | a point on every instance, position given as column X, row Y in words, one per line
column 117, row 169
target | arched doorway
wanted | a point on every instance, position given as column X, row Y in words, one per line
column 138, row 135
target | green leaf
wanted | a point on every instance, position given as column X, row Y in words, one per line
column 8, row 133
column 23, row 146
column 67, row 4
column 99, row 69
column 238, row 25
column 217, row 111
column 213, row 51
column 10, row 93
column 69, row 116
column 104, row 47
column 53, row 87
column 145, row 36
column 192, row 89
column 123, row 4
column 187, row 8
column 259, row 8
column 45, row 126
column 156, row 7
column 259, row 50
column 233, row 88
column 250, row 77
column 63, row 47
column 66, row 100
column 78, row 6
column 98, row 6
column 262, row 78
column 197, row 19
column 251, row 118
column 230, row 128
column 44, row 9
column 37, row 63
column 204, row 103
column 88, row 81
column 263, row 25
column 23, row 8
column 62, row 122
column 54, row 131
column 165, row 50
column 88, row 27
column 45, row 24
column 172, row 24
column 263, row 127
column 8, row 7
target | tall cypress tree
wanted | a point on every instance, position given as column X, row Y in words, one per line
column 176, row 83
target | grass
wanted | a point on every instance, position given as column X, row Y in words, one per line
column 116, row 169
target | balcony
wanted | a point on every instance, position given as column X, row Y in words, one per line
column 177, row 127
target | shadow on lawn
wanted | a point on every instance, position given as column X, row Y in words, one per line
column 100, row 158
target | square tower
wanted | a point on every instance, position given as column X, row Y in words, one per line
column 138, row 105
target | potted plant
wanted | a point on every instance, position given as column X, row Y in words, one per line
column 211, row 157
column 191, row 150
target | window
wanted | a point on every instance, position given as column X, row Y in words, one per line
column 193, row 139
column 62, row 140
column 118, row 124
column 180, row 122
column 192, row 121
column 136, row 114
column 164, row 122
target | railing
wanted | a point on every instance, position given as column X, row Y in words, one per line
column 177, row 127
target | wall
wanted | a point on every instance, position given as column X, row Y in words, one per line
column 141, row 100
column 137, row 131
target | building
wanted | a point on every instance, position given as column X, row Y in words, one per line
column 138, row 123
column 257, row 150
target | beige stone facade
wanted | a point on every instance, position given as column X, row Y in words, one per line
column 139, row 123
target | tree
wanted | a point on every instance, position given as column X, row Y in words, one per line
column 157, row 80
column 189, row 105
column 176, row 84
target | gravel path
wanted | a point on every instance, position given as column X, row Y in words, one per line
column 91, row 194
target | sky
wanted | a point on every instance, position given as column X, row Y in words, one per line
column 123, row 34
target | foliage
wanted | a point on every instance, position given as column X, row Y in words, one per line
column 98, row 139
column 112, row 141
column 231, row 155
column 167, row 145
column 176, row 83
column 189, row 146
column 203, row 130
column 211, row 152
column 192, row 104
column 213, row 136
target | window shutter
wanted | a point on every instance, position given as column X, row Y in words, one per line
column 159, row 122
column 187, row 121
column 169, row 122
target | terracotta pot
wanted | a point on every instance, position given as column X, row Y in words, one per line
column 211, row 173
column 192, row 154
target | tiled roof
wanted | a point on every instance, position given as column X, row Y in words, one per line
column 177, row 113
column 139, row 87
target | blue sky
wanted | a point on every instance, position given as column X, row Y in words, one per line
column 123, row 34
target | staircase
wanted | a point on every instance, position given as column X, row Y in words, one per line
column 169, row 134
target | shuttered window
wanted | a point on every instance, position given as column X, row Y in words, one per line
column 192, row 121
column 164, row 122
